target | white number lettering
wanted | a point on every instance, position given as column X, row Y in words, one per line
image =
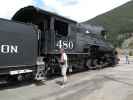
column 59, row 44
column 71, row 45
column 65, row 44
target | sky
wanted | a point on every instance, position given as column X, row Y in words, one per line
column 78, row 10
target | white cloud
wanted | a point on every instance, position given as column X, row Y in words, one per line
column 9, row 7
column 82, row 9
column 79, row 10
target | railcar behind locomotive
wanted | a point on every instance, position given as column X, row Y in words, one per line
column 18, row 49
column 45, row 36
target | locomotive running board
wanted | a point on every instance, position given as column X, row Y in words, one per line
column 15, row 72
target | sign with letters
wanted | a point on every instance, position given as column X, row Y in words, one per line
column 5, row 49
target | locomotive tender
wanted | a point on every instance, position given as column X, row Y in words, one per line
column 30, row 44
column 18, row 53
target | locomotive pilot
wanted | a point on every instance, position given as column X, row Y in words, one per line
column 63, row 65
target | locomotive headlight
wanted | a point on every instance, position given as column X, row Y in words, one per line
column 87, row 32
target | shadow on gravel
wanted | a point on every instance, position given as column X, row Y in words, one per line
column 16, row 84
column 118, row 80
column 59, row 82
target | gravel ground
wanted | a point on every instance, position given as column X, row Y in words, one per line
column 114, row 83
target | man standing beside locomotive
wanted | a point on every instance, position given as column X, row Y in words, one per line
column 63, row 65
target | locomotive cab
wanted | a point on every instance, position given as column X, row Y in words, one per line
column 54, row 33
column 55, row 29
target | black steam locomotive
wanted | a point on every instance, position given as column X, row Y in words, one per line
column 30, row 45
